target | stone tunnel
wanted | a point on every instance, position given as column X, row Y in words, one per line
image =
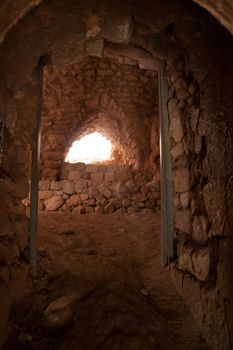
column 156, row 79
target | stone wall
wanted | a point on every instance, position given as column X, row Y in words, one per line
column 88, row 188
column 118, row 99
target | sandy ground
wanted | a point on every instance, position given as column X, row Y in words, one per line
column 122, row 299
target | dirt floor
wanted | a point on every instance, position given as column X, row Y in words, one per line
column 100, row 286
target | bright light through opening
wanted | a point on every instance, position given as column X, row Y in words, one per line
column 90, row 149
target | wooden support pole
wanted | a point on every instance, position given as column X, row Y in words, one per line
column 167, row 225
column 35, row 162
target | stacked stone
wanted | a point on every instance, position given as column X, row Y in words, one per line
column 119, row 100
column 191, row 219
column 100, row 189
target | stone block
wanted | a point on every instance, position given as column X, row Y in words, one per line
column 80, row 186
column 79, row 167
column 91, row 168
column 105, row 191
column 126, row 202
column 45, row 194
column 44, row 185
column 202, row 263
column 56, row 185
column 68, row 187
column 176, row 128
column 109, row 208
column 102, row 169
column 185, row 199
column 97, row 178
column 109, row 177
column 123, row 174
column 54, row 203
column 181, row 180
column 178, row 150
column 84, row 196
column 183, row 220
column 200, row 228
column 74, row 175
column 154, row 195
column 153, row 185
column 73, row 201
column 121, row 188
column 139, row 197
column 151, row 204
column 79, row 210
column 85, row 175
column 132, row 187
column 116, row 203
column 92, row 192
column 101, row 200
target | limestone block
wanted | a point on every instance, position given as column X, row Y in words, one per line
column 59, row 312
column 73, row 201
column 151, row 204
column 109, row 208
column 194, row 114
column 65, row 207
column 200, row 228
column 181, row 180
column 178, row 150
column 79, row 210
column 176, row 202
column 58, row 193
column 126, row 202
column 118, row 24
column 45, row 194
column 97, row 178
column 116, row 203
column 197, row 144
column 121, row 187
column 105, row 191
column 89, row 210
column 154, row 195
column 123, row 174
column 132, row 187
column 182, row 94
column 183, row 220
column 74, row 175
column 153, row 185
column 90, row 203
column 185, row 199
column 68, row 187
column 99, row 209
column 185, row 260
column 202, row 261
column 176, row 128
column 139, row 197
column 109, row 177
column 92, row 192
column 80, row 186
column 44, row 185
column 84, row 196
column 102, row 169
column 80, row 167
column 91, row 168
column 101, row 200
column 173, row 107
column 85, row 175
column 56, row 185
column 54, row 203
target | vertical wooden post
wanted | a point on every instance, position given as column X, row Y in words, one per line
column 35, row 162
column 167, row 226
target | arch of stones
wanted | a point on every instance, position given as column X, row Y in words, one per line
column 136, row 39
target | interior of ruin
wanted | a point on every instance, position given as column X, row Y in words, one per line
column 133, row 252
